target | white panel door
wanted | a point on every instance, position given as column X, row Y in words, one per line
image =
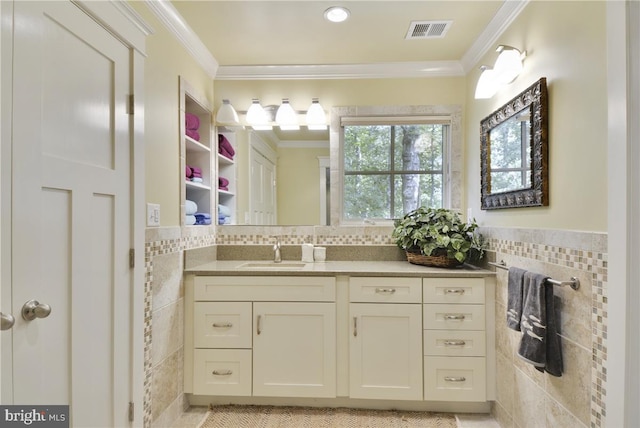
column 71, row 214
column 294, row 349
column 385, row 351
column 263, row 189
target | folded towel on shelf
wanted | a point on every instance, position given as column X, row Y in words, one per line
column 191, row 121
column 188, row 171
column 203, row 218
column 193, row 134
column 224, row 144
column 223, row 182
column 189, row 220
column 190, row 207
column 226, row 154
column 197, row 179
column 515, row 296
column 222, row 219
column 224, row 210
column 540, row 344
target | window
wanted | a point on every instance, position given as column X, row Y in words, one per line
column 386, row 160
column 390, row 170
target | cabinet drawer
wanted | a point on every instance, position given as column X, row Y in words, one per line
column 454, row 317
column 222, row 324
column 222, row 372
column 385, row 290
column 465, row 343
column 455, row 379
column 453, row 290
column 265, row 288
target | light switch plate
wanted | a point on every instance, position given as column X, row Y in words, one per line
column 153, row 214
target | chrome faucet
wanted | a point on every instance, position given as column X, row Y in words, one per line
column 277, row 258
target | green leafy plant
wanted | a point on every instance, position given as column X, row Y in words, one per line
column 438, row 231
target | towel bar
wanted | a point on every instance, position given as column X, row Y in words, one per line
column 574, row 283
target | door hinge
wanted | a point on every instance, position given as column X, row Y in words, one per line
column 131, row 411
column 132, row 258
column 131, row 104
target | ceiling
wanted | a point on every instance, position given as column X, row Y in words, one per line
column 292, row 40
column 245, row 36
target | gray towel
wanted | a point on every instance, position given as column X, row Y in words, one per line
column 540, row 343
column 515, row 297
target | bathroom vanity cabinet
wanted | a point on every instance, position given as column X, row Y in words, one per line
column 454, row 343
column 263, row 336
column 385, row 349
column 340, row 337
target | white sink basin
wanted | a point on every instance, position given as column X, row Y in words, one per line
column 272, row 265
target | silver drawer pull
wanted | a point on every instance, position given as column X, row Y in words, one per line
column 455, row 379
column 454, row 343
column 222, row 324
column 458, row 317
column 222, row 372
column 385, row 290
column 454, row 291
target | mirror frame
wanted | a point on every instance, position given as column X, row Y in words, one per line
column 534, row 98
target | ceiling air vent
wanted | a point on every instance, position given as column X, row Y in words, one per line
column 428, row 29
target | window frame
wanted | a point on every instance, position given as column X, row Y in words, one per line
column 396, row 115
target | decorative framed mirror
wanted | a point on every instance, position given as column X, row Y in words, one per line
column 513, row 153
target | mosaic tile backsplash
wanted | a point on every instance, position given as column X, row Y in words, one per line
column 575, row 400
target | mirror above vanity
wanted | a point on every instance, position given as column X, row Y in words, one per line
column 279, row 176
column 513, row 153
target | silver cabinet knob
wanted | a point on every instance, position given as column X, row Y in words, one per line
column 34, row 309
column 6, row 321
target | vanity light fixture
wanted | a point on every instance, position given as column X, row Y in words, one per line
column 227, row 114
column 507, row 67
column 316, row 118
column 487, row 86
column 337, row 14
column 257, row 117
column 286, row 117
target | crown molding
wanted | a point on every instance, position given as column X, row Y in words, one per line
column 487, row 40
column 341, row 71
column 176, row 25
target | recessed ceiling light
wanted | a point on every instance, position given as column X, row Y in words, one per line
column 336, row 14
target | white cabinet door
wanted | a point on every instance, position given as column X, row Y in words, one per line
column 385, row 351
column 294, row 349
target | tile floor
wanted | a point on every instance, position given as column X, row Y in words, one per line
column 194, row 416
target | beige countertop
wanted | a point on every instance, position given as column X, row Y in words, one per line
column 331, row 268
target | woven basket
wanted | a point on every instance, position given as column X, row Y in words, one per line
column 434, row 261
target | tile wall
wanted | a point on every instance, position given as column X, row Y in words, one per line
column 525, row 398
